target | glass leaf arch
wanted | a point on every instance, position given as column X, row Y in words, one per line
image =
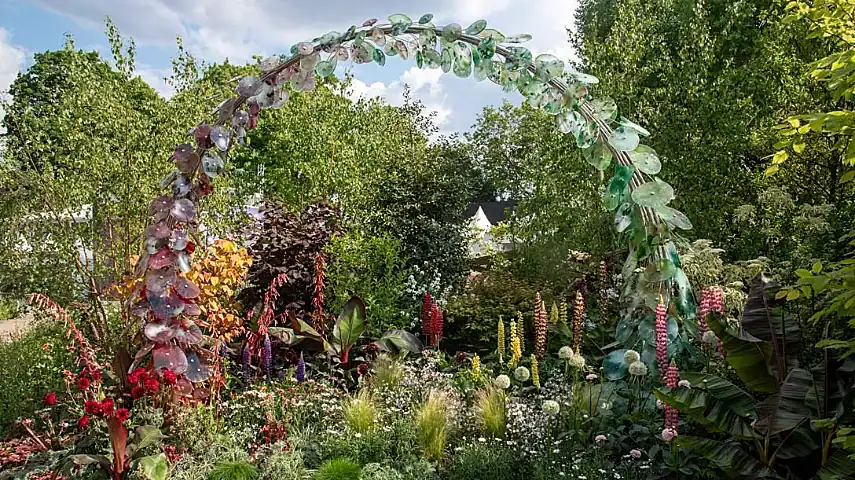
column 652, row 271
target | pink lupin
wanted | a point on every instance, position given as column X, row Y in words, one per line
column 661, row 328
column 672, row 415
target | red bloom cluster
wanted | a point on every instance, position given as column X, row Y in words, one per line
column 427, row 309
column 661, row 337
column 86, row 377
column 122, row 415
column 144, row 383
column 83, row 422
column 672, row 415
column 103, row 408
column 540, row 326
column 363, row 369
column 50, row 399
column 319, row 298
column 711, row 301
column 431, row 321
column 169, row 377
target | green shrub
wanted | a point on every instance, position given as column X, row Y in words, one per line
column 492, row 410
column 9, row 309
column 388, row 371
column 234, row 471
column 338, row 469
column 376, row 471
column 31, row 365
column 283, row 465
column 360, row 412
column 432, row 420
column 486, row 462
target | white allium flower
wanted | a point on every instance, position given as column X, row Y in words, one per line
column 684, row 384
column 565, row 353
column 577, row 361
column 522, row 374
column 710, row 338
column 502, row 382
column 637, row 369
column 551, row 407
column 631, row 356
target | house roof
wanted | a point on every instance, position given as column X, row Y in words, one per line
column 495, row 212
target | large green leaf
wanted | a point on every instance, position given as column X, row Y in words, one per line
column 685, row 302
column 144, row 435
column 765, row 319
column 747, row 354
column 400, row 341
column 154, row 467
column 350, row 324
column 614, row 368
column 729, row 456
column 837, row 467
column 713, row 402
column 653, row 194
column 786, row 409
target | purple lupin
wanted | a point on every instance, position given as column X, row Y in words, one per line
column 244, row 362
column 267, row 356
column 301, row 370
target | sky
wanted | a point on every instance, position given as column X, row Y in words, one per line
column 215, row 30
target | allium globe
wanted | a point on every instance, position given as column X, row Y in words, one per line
column 522, row 374
column 631, row 356
column 502, row 382
column 551, row 407
column 565, row 353
column 709, row 338
column 577, row 361
column 638, row 369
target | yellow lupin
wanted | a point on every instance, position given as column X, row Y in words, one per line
column 535, row 373
column 501, row 340
column 476, row 367
column 516, row 347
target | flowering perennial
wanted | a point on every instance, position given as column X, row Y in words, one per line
column 562, row 313
column 578, row 321
column 500, row 340
column 516, row 343
column 535, row 372
column 540, row 327
column 661, row 337
column 476, row 367
column 427, row 310
column 672, row 416
column 318, row 299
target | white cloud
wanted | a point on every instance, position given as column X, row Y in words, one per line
column 156, row 78
column 11, row 60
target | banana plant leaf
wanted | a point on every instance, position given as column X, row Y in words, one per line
column 398, row 341
column 349, row 327
column 730, row 457
column 764, row 318
column 748, row 355
column 714, row 402
column 786, row 409
column 838, row 466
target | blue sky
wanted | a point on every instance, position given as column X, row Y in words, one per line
column 238, row 29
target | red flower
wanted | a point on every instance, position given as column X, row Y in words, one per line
column 152, row 385
column 169, row 377
column 50, row 399
column 122, row 415
column 83, row 422
column 190, row 248
column 92, row 407
column 83, row 383
column 362, row 369
column 138, row 392
column 95, row 375
column 107, row 407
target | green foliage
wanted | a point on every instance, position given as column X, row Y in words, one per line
column 492, row 410
column 373, row 269
column 360, row 412
column 479, row 462
column 338, row 469
column 234, row 471
column 432, row 421
column 388, row 371
column 283, row 465
column 32, row 366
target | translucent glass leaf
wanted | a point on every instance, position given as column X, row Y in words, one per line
column 518, row 57
column 160, row 279
column 220, row 137
column 181, row 186
column 486, row 48
column 159, row 205
column 188, row 333
column 342, row 54
column 605, row 108
column 446, row 59
column 482, row 66
column 369, row 22
column 653, row 194
column 159, row 230
column 378, row 37
column 660, row 270
column 324, row 68
column 673, row 217
column 240, row 119
column 281, row 97
column 248, row 85
column 583, row 77
column 624, row 139
column 169, row 179
column 158, row 332
column 402, row 49
column 586, row 136
column 400, row 23
column 451, row 32
column 570, row 121
column 305, row 48
column 548, row 66
column 179, row 240
column 192, row 309
column 270, row 63
column 462, row 59
column 197, row 370
column 184, row 262
column 186, row 163
column 164, row 257
column 140, row 307
column 168, row 307
column 379, row 57
column 494, row 35
column 634, row 126
column 212, row 164
column 477, row 27
column 621, row 178
column 623, row 217
column 183, row 210
column 427, row 39
column 598, row 156
column 169, row 356
column 426, row 18
column 521, row 38
column 645, row 159
column 186, row 289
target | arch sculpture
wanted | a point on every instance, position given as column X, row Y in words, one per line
column 638, row 198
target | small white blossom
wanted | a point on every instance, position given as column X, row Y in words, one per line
column 631, row 356
column 565, row 353
column 637, row 369
column 502, row 382
column 709, row 338
column 522, row 374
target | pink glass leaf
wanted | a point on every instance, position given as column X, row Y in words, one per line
column 181, row 186
column 159, row 332
column 162, row 258
column 189, row 333
column 160, row 204
column 169, row 356
column 159, row 230
column 167, row 307
column 342, row 54
column 158, row 280
column 140, row 307
column 187, row 163
column 197, row 369
column 248, row 86
column 183, row 387
column 186, row 288
column 305, row 48
column 192, row 309
column 179, row 239
column 369, row 22
column 183, row 210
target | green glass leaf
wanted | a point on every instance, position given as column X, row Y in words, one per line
column 400, row 23
column 446, row 59
column 426, row 18
column 518, row 57
column 486, row 48
column 614, row 368
column 634, row 126
column 451, row 32
column 653, row 194
column 521, row 38
column 379, row 57
column 427, row 39
column 462, row 59
column 623, row 217
column 495, row 35
column 605, row 108
column 432, row 58
column 621, row 178
column 389, row 49
column 598, row 156
column 570, row 121
column 530, row 86
column 583, row 77
column 673, row 217
column 660, row 270
column 586, row 136
column 420, row 59
column 378, row 36
column 548, row 66
column 685, row 301
column 646, row 160
column 495, row 74
column 508, row 78
column 477, row 27
column 624, row 139
column 482, row 65
column 324, row 68
column 402, row 49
